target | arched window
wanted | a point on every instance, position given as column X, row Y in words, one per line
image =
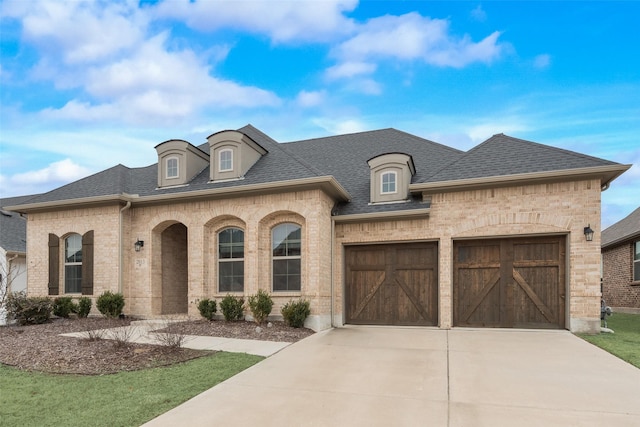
column 73, row 264
column 286, row 247
column 231, row 260
column 388, row 181
column 172, row 167
column 226, row 160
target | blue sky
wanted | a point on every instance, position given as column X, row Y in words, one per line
column 86, row 85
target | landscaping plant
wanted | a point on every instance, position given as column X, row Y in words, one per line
column 207, row 308
column 232, row 308
column 83, row 307
column 296, row 312
column 64, row 306
column 29, row 310
column 110, row 304
column 260, row 306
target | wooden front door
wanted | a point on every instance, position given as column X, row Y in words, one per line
column 394, row 284
column 510, row 283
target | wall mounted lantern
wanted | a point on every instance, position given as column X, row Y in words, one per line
column 588, row 233
column 139, row 244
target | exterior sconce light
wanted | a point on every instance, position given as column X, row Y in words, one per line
column 588, row 233
column 139, row 244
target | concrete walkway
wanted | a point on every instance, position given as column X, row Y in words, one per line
column 141, row 332
column 369, row 376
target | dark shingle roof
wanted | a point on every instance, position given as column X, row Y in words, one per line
column 13, row 227
column 625, row 229
column 504, row 155
column 345, row 158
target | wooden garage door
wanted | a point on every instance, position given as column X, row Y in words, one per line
column 392, row 284
column 510, row 283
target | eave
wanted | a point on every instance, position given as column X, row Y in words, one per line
column 328, row 184
column 606, row 174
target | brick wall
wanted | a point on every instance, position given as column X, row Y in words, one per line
column 558, row 208
column 617, row 277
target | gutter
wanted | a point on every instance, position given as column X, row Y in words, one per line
column 607, row 173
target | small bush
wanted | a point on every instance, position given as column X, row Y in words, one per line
column 120, row 332
column 64, row 306
column 83, row 307
column 110, row 304
column 207, row 308
column 260, row 306
column 295, row 313
column 29, row 310
column 171, row 336
column 232, row 308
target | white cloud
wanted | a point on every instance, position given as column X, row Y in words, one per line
column 281, row 21
column 414, row 37
column 310, row 98
column 80, row 31
column 542, row 61
column 63, row 171
column 340, row 127
column 478, row 14
column 153, row 84
column 350, row 69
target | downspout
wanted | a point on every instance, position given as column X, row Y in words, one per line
column 121, row 249
column 333, row 233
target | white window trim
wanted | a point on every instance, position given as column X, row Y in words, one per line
column 177, row 175
column 220, row 168
column 286, row 257
column 230, row 259
column 65, row 264
column 395, row 182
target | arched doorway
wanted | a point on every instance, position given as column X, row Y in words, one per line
column 172, row 284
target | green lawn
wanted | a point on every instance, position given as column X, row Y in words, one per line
column 123, row 399
column 625, row 342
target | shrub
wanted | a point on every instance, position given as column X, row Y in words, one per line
column 260, row 305
column 232, row 308
column 83, row 307
column 110, row 304
column 207, row 308
column 29, row 311
column 295, row 313
column 63, row 306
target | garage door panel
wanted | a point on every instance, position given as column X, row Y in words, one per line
column 407, row 293
column 528, row 290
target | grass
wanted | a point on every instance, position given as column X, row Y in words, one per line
column 123, row 399
column 625, row 342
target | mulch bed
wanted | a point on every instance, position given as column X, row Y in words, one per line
column 41, row 348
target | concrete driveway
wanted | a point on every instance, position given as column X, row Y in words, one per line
column 386, row 376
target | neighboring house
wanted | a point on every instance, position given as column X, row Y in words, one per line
column 621, row 263
column 379, row 227
column 13, row 251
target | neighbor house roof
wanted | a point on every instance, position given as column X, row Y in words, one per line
column 627, row 228
column 339, row 165
column 13, row 226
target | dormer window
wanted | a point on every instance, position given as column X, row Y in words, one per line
column 226, row 160
column 388, row 181
column 172, row 168
column 390, row 177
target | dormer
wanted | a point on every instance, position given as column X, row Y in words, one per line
column 179, row 162
column 390, row 177
column 232, row 154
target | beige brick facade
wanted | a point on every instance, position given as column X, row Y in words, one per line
column 178, row 264
column 540, row 209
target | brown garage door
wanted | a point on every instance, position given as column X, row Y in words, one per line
column 392, row 284
column 510, row 283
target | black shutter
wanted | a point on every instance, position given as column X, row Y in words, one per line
column 87, row 263
column 54, row 264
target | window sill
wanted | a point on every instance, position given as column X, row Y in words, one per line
column 637, row 283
